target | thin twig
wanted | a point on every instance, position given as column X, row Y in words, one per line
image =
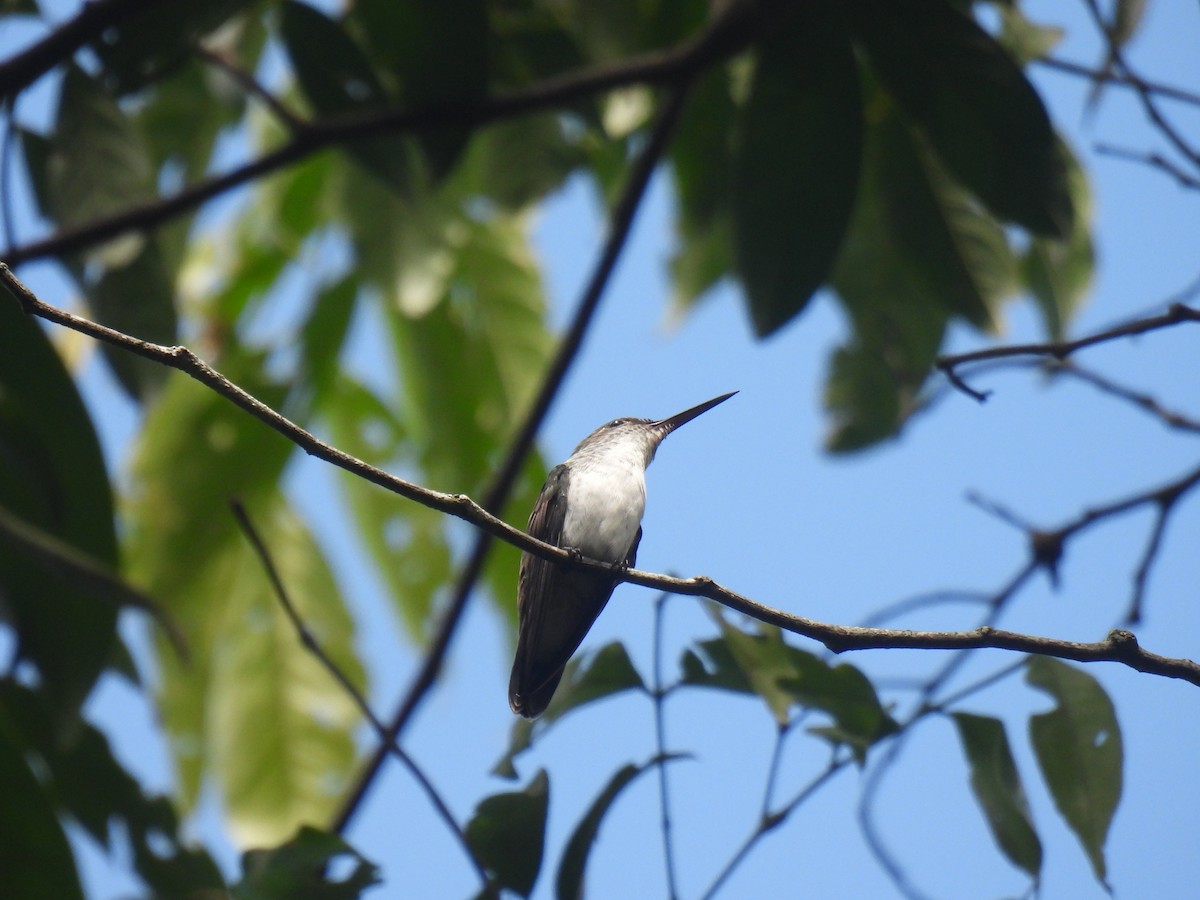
column 497, row 494
column 313, row 646
column 660, row 739
column 252, row 86
column 1176, row 314
column 1155, row 161
column 1143, row 401
column 769, row 823
column 1107, row 76
column 62, row 559
column 1149, row 106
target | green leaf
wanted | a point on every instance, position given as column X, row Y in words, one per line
column 959, row 252
column 93, row 788
column 983, row 118
column 997, row 786
column 53, row 479
column 893, row 298
column 253, row 705
column 1059, row 273
column 1079, row 749
column 796, row 168
column 569, row 885
column 137, row 298
column 508, row 833
column 406, row 541
column 97, row 164
column 34, row 854
column 433, row 54
column 784, row 676
column 300, row 868
column 337, row 77
column 141, row 49
column 279, row 724
column 702, row 164
column 517, row 163
column 587, row 678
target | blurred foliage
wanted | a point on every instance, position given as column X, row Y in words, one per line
column 891, row 151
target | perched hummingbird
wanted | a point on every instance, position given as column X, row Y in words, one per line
column 593, row 504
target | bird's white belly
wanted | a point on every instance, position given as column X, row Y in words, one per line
column 604, row 509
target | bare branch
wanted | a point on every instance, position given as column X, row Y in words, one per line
column 1155, row 161
column 1119, row 647
column 24, row 68
column 1149, row 106
column 1176, row 314
column 1108, row 76
column 313, row 646
column 1143, row 401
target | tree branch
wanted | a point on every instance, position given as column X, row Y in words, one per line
column 1119, row 646
column 96, row 16
column 497, row 494
column 948, row 364
column 724, row 36
column 313, row 646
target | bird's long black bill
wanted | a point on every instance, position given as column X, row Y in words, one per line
column 669, row 425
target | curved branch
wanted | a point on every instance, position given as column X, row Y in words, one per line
column 1177, row 313
column 1119, row 646
column 725, row 36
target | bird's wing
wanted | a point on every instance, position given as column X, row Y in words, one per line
column 556, row 605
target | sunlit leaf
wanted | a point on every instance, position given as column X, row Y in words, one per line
column 253, row 703
column 998, row 789
column 406, row 541
column 508, row 832
column 784, row 676
column 796, row 166
column 1079, row 749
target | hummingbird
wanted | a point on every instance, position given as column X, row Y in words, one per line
column 592, row 504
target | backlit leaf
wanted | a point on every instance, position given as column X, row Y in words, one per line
column 508, row 832
column 998, row 789
column 796, row 166
column 1079, row 749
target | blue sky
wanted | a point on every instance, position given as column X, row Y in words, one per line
column 745, row 495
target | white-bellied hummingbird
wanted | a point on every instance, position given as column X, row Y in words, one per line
column 591, row 504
